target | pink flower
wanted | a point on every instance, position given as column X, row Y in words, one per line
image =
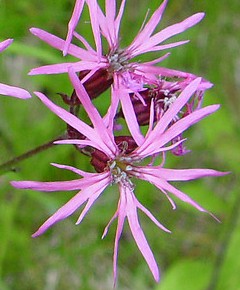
column 126, row 76
column 118, row 160
column 116, row 60
column 10, row 90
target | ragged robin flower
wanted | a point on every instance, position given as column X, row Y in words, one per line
column 120, row 160
column 100, row 69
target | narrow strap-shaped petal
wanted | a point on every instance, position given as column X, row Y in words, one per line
column 153, row 62
column 129, row 114
column 150, row 26
column 119, row 17
column 163, row 184
column 109, row 118
column 93, row 114
column 70, row 207
column 121, row 218
column 59, row 43
column 110, row 11
column 93, row 197
column 150, row 215
column 139, row 236
column 73, row 23
column 110, row 18
column 170, row 31
column 85, row 43
column 179, row 174
column 166, row 119
column 76, row 184
column 72, row 120
column 151, row 119
column 4, row 44
column 174, row 109
column 175, row 130
column 93, row 11
column 16, row 92
column 148, row 67
column 161, row 47
column 109, row 224
column 183, row 124
column 104, row 26
column 151, row 151
column 75, row 170
column 64, row 67
column 83, row 143
column 130, row 117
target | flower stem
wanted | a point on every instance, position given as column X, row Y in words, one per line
column 10, row 165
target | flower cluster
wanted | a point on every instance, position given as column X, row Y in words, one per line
column 164, row 101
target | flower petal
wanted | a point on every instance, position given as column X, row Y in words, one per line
column 72, row 205
column 163, row 184
column 59, row 44
column 168, row 33
column 148, row 29
column 179, row 174
column 118, row 19
column 93, row 197
column 121, row 218
column 93, row 11
column 4, row 44
column 150, row 215
column 73, row 169
column 16, row 92
column 73, row 121
column 129, row 115
column 76, row 184
column 64, row 67
column 175, row 130
column 72, row 24
column 138, row 234
column 97, row 121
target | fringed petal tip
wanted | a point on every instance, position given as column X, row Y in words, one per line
column 4, row 44
column 201, row 15
column 34, row 30
column 39, row 232
column 35, row 235
column 66, row 48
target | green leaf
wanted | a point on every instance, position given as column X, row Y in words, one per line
column 186, row 275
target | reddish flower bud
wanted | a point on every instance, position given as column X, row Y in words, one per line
column 98, row 83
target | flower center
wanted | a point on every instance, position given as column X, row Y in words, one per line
column 118, row 60
column 121, row 172
column 120, row 167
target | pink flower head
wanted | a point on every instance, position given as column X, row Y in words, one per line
column 118, row 160
column 126, row 76
column 116, row 60
column 10, row 90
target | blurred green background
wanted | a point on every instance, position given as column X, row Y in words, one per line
column 200, row 254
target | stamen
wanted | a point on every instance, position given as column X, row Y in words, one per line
column 121, row 173
column 118, row 60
